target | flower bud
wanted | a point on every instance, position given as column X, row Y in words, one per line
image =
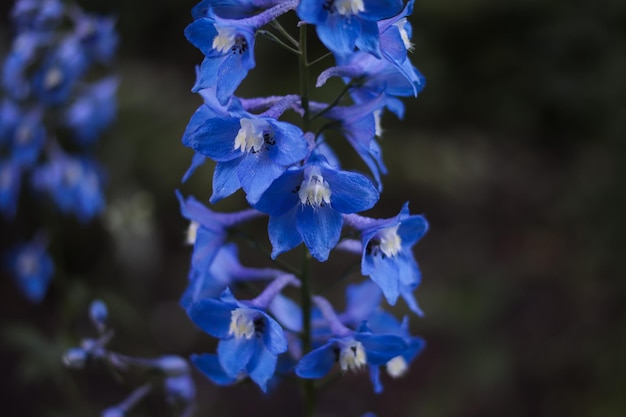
column 98, row 313
column 75, row 358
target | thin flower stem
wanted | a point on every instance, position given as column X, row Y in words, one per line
column 336, row 101
column 315, row 61
column 278, row 41
column 276, row 24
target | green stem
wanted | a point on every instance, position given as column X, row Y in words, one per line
column 335, row 101
column 278, row 41
column 286, row 34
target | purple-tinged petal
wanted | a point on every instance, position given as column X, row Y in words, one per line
column 225, row 180
column 262, row 366
column 320, row 229
column 235, row 353
column 283, row 233
column 317, row 363
column 212, row 316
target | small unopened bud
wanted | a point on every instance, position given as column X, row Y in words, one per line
column 99, row 314
column 172, row 365
column 75, row 358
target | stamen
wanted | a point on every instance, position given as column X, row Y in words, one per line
column 225, row 39
column 401, row 25
column 254, row 133
column 352, row 356
column 397, row 367
column 390, row 242
column 241, row 323
column 349, row 7
column 192, row 232
column 314, row 190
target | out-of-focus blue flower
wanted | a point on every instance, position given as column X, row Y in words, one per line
column 38, row 15
column 387, row 256
column 97, row 35
column 251, row 151
column 26, row 136
column 15, row 81
column 250, row 340
column 305, row 204
column 74, row 183
column 352, row 350
column 343, row 25
column 99, row 314
column 10, row 179
column 62, row 67
column 32, row 268
column 93, row 111
column 180, row 389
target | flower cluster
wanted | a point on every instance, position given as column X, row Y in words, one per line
column 52, row 112
column 174, row 371
column 291, row 176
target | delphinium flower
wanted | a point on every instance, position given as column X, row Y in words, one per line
column 48, row 107
column 291, row 174
column 31, row 267
column 174, row 371
column 386, row 253
column 250, row 339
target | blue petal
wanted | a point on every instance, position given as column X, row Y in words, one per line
column 320, row 229
column 350, row 192
column 380, row 348
column 212, row 316
column 283, row 233
column 274, row 336
column 231, row 73
column 225, row 180
column 381, row 9
column 290, row 146
column 287, row 312
column 235, row 353
column 416, row 346
column 256, row 173
column 196, row 162
column 215, row 138
column 282, row 195
column 200, row 33
column 412, row 229
column 209, row 365
column 339, row 33
column 262, row 366
column 362, row 300
column 375, row 378
column 369, row 39
column 207, row 74
column 316, row 363
column 383, row 272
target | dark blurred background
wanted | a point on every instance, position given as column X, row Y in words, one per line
column 514, row 152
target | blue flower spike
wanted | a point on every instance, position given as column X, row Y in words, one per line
column 31, row 267
column 99, row 314
column 250, row 340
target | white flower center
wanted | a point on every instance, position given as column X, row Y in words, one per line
column 314, row 190
column 401, row 25
column 225, row 39
column 241, row 323
column 253, row 134
column 390, row 242
column 349, row 7
column 53, row 78
column 73, row 173
column 192, row 232
column 377, row 119
column 352, row 356
column 396, row 367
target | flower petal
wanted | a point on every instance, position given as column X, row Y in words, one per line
column 317, row 363
column 320, row 229
column 235, row 353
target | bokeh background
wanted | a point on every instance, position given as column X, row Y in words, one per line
column 514, row 152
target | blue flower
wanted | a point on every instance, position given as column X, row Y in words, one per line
column 306, row 203
column 32, row 269
column 62, row 67
column 24, row 132
column 228, row 48
column 352, row 350
column 93, row 111
column 387, row 256
column 97, row 35
column 224, row 270
column 343, row 25
column 74, row 183
column 15, row 81
column 251, row 151
column 208, row 229
column 250, row 340
column 10, row 179
column 37, row 14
